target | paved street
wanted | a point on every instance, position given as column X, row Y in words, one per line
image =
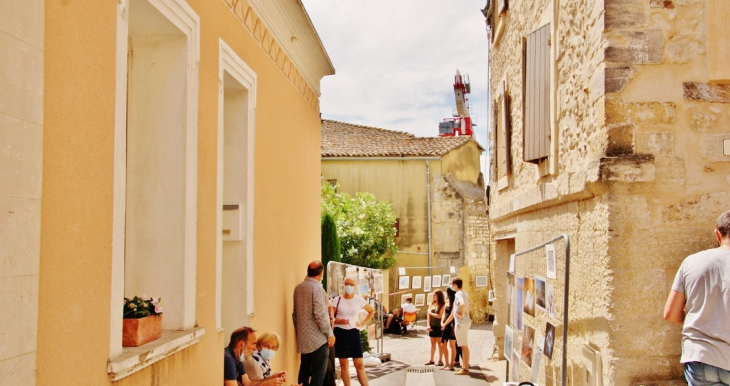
column 409, row 353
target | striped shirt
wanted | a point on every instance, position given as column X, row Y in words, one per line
column 311, row 318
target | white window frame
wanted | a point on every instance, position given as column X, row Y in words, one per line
column 233, row 65
column 184, row 18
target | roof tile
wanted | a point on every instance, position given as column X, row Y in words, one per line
column 340, row 139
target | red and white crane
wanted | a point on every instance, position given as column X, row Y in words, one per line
column 460, row 123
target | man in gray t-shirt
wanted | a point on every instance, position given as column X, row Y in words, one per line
column 700, row 303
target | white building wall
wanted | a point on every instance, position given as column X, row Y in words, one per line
column 21, row 151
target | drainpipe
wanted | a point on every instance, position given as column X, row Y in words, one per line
column 428, row 213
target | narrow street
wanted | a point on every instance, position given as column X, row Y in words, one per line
column 409, row 353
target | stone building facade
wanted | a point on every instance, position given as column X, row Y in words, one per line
column 632, row 102
column 422, row 179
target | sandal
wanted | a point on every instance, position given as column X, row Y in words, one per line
column 447, row 367
column 440, row 363
column 428, row 363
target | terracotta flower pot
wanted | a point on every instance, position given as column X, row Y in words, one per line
column 136, row 332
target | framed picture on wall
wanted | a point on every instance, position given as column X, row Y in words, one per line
column 403, row 282
column 436, row 281
column 420, row 300
column 446, row 280
column 404, row 297
column 429, row 298
column 416, row 282
column 427, row 284
column 481, row 281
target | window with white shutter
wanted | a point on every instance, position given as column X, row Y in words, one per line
column 537, row 95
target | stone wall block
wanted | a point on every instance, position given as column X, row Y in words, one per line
column 625, row 13
column 19, row 370
column 620, row 140
column 701, row 210
column 640, row 112
column 659, row 144
column 637, row 168
column 635, row 47
column 20, row 316
column 668, row 4
column 706, row 92
column 701, row 122
column 617, row 78
column 712, row 147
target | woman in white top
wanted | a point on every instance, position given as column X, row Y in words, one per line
column 347, row 331
column 258, row 366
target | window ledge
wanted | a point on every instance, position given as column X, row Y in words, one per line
column 134, row 359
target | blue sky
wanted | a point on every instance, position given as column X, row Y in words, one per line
column 395, row 62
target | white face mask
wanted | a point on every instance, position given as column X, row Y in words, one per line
column 267, row 354
column 453, row 287
column 242, row 357
column 349, row 289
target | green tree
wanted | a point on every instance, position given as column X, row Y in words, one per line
column 365, row 227
column 330, row 242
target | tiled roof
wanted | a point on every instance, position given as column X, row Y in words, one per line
column 341, row 139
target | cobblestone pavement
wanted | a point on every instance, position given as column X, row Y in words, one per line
column 409, row 354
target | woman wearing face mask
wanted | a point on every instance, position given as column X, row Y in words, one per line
column 258, row 366
column 347, row 331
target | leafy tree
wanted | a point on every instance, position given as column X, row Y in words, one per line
column 330, row 242
column 365, row 227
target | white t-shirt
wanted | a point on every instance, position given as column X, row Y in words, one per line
column 464, row 298
column 348, row 309
column 704, row 278
column 408, row 307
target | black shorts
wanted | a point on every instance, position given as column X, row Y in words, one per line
column 435, row 332
column 347, row 343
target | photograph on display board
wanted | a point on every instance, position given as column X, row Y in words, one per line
column 427, row 284
column 404, row 297
column 540, row 292
column 515, row 366
column 403, row 282
column 436, row 281
column 416, row 282
column 536, row 354
column 518, row 304
column 378, row 284
column 510, row 287
column 528, row 338
column 551, row 263
column 363, row 287
column 446, row 280
column 420, row 300
column 528, row 302
column 508, row 343
column 549, row 340
column 550, row 300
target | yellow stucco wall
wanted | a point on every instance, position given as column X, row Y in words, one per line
column 402, row 183
column 460, row 162
column 76, row 225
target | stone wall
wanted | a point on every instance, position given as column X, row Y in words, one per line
column 21, row 147
column 461, row 236
column 640, row 171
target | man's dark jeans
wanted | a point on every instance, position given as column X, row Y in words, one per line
column 314, row 365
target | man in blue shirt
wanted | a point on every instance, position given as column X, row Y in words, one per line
column 242, row 344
